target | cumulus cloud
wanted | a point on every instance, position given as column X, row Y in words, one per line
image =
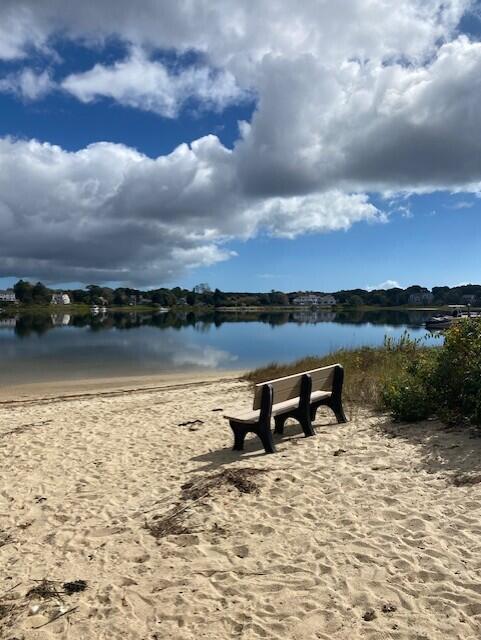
column 27, row 84
column 387, row 284
column 352, row 98
column 108, row 212
column 232, row 33
column 149, row 85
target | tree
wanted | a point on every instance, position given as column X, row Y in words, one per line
column 40, row 294
column 355, row 301
column 218, row 298
column 23, row 291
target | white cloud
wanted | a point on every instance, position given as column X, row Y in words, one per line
column 149, row 85
column 27, row 84
column 353, row 98
column 462, row 204
column 108, row 212
column 232, row 33
column 387, row 284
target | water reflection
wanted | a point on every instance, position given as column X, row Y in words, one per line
column 61, row 346
column 35, row 323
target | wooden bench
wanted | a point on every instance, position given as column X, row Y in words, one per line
column 297, row 396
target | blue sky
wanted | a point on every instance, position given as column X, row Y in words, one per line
column 357, row 163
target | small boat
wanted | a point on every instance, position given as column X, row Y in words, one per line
column 459, row 312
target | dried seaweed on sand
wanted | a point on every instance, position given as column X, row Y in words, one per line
column 172, row 523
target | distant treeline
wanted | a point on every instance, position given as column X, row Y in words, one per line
column 39, row 294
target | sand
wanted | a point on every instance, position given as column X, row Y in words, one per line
column 367, row 530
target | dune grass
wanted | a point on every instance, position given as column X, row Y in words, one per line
column 366, row 369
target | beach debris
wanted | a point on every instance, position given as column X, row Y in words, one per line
column 466, row 480
column 172, row 523
column 60, row 613
column 76, row 586
column 339, row 452
column 40, row 499
column 9, row 613
column 190, row 423
column 217, row 409
column 240, row 479
column 5, row 538
column 388, row 607
column 22, row 428
column 168, row 525
column 369, row 615
column 44, row 590
column 47, row 589
column 44, row 598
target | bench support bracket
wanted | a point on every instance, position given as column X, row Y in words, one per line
column 262, row 428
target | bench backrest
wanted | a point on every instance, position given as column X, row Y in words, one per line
column 290, row 386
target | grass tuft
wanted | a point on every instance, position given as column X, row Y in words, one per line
column 365, row 368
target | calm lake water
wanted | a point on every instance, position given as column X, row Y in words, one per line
column 63, row 347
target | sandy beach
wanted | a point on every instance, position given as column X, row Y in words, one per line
column 369, row 530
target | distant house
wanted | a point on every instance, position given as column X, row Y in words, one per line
column 8, row 295
column 306, row 300
column 421, row 297
column 60, row 298
column 311, row 300
column 327, row 301
column 469, row 298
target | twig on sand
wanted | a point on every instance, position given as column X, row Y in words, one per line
column 11, row 589
column 60, row 615
column 24, row 427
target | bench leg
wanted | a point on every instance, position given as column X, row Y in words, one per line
column 265, row 434
column 279, row 424
column 313, row 413
column 240, row 433
column 305, row 422
column 336, row 397
column 338, row 409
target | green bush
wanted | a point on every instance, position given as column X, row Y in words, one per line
column 445, row 381
column 408, row 395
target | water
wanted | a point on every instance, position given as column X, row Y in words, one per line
column 66, row 347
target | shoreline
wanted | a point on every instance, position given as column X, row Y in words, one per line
column 117, row 385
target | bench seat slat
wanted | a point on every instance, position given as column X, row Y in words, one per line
column 252, row 416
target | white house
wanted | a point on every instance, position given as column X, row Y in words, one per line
column 311, row 300
column 422, row 297
column 306, row 300
column 8, row 295
column 60, row 298
column 327, row 301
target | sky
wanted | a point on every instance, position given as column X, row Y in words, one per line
column 301, row 146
